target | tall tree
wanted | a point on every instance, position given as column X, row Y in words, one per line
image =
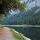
column 12, row 4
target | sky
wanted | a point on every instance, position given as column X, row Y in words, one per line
column 31, row 3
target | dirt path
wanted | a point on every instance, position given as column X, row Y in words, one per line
column 5, row 34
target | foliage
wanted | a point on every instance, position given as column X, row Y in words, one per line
column 29, row 17
column 12, row 4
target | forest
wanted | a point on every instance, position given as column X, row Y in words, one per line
column 17, row 13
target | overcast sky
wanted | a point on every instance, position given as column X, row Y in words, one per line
column 32, row 4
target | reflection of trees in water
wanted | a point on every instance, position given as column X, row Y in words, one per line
column 31, row 32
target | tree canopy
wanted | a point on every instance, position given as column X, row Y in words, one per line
column 12, row 4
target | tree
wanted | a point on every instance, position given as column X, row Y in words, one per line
column 6, row 5
column 12, row 4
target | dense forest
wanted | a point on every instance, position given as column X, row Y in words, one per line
column 17, row 13
column 31, row 17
